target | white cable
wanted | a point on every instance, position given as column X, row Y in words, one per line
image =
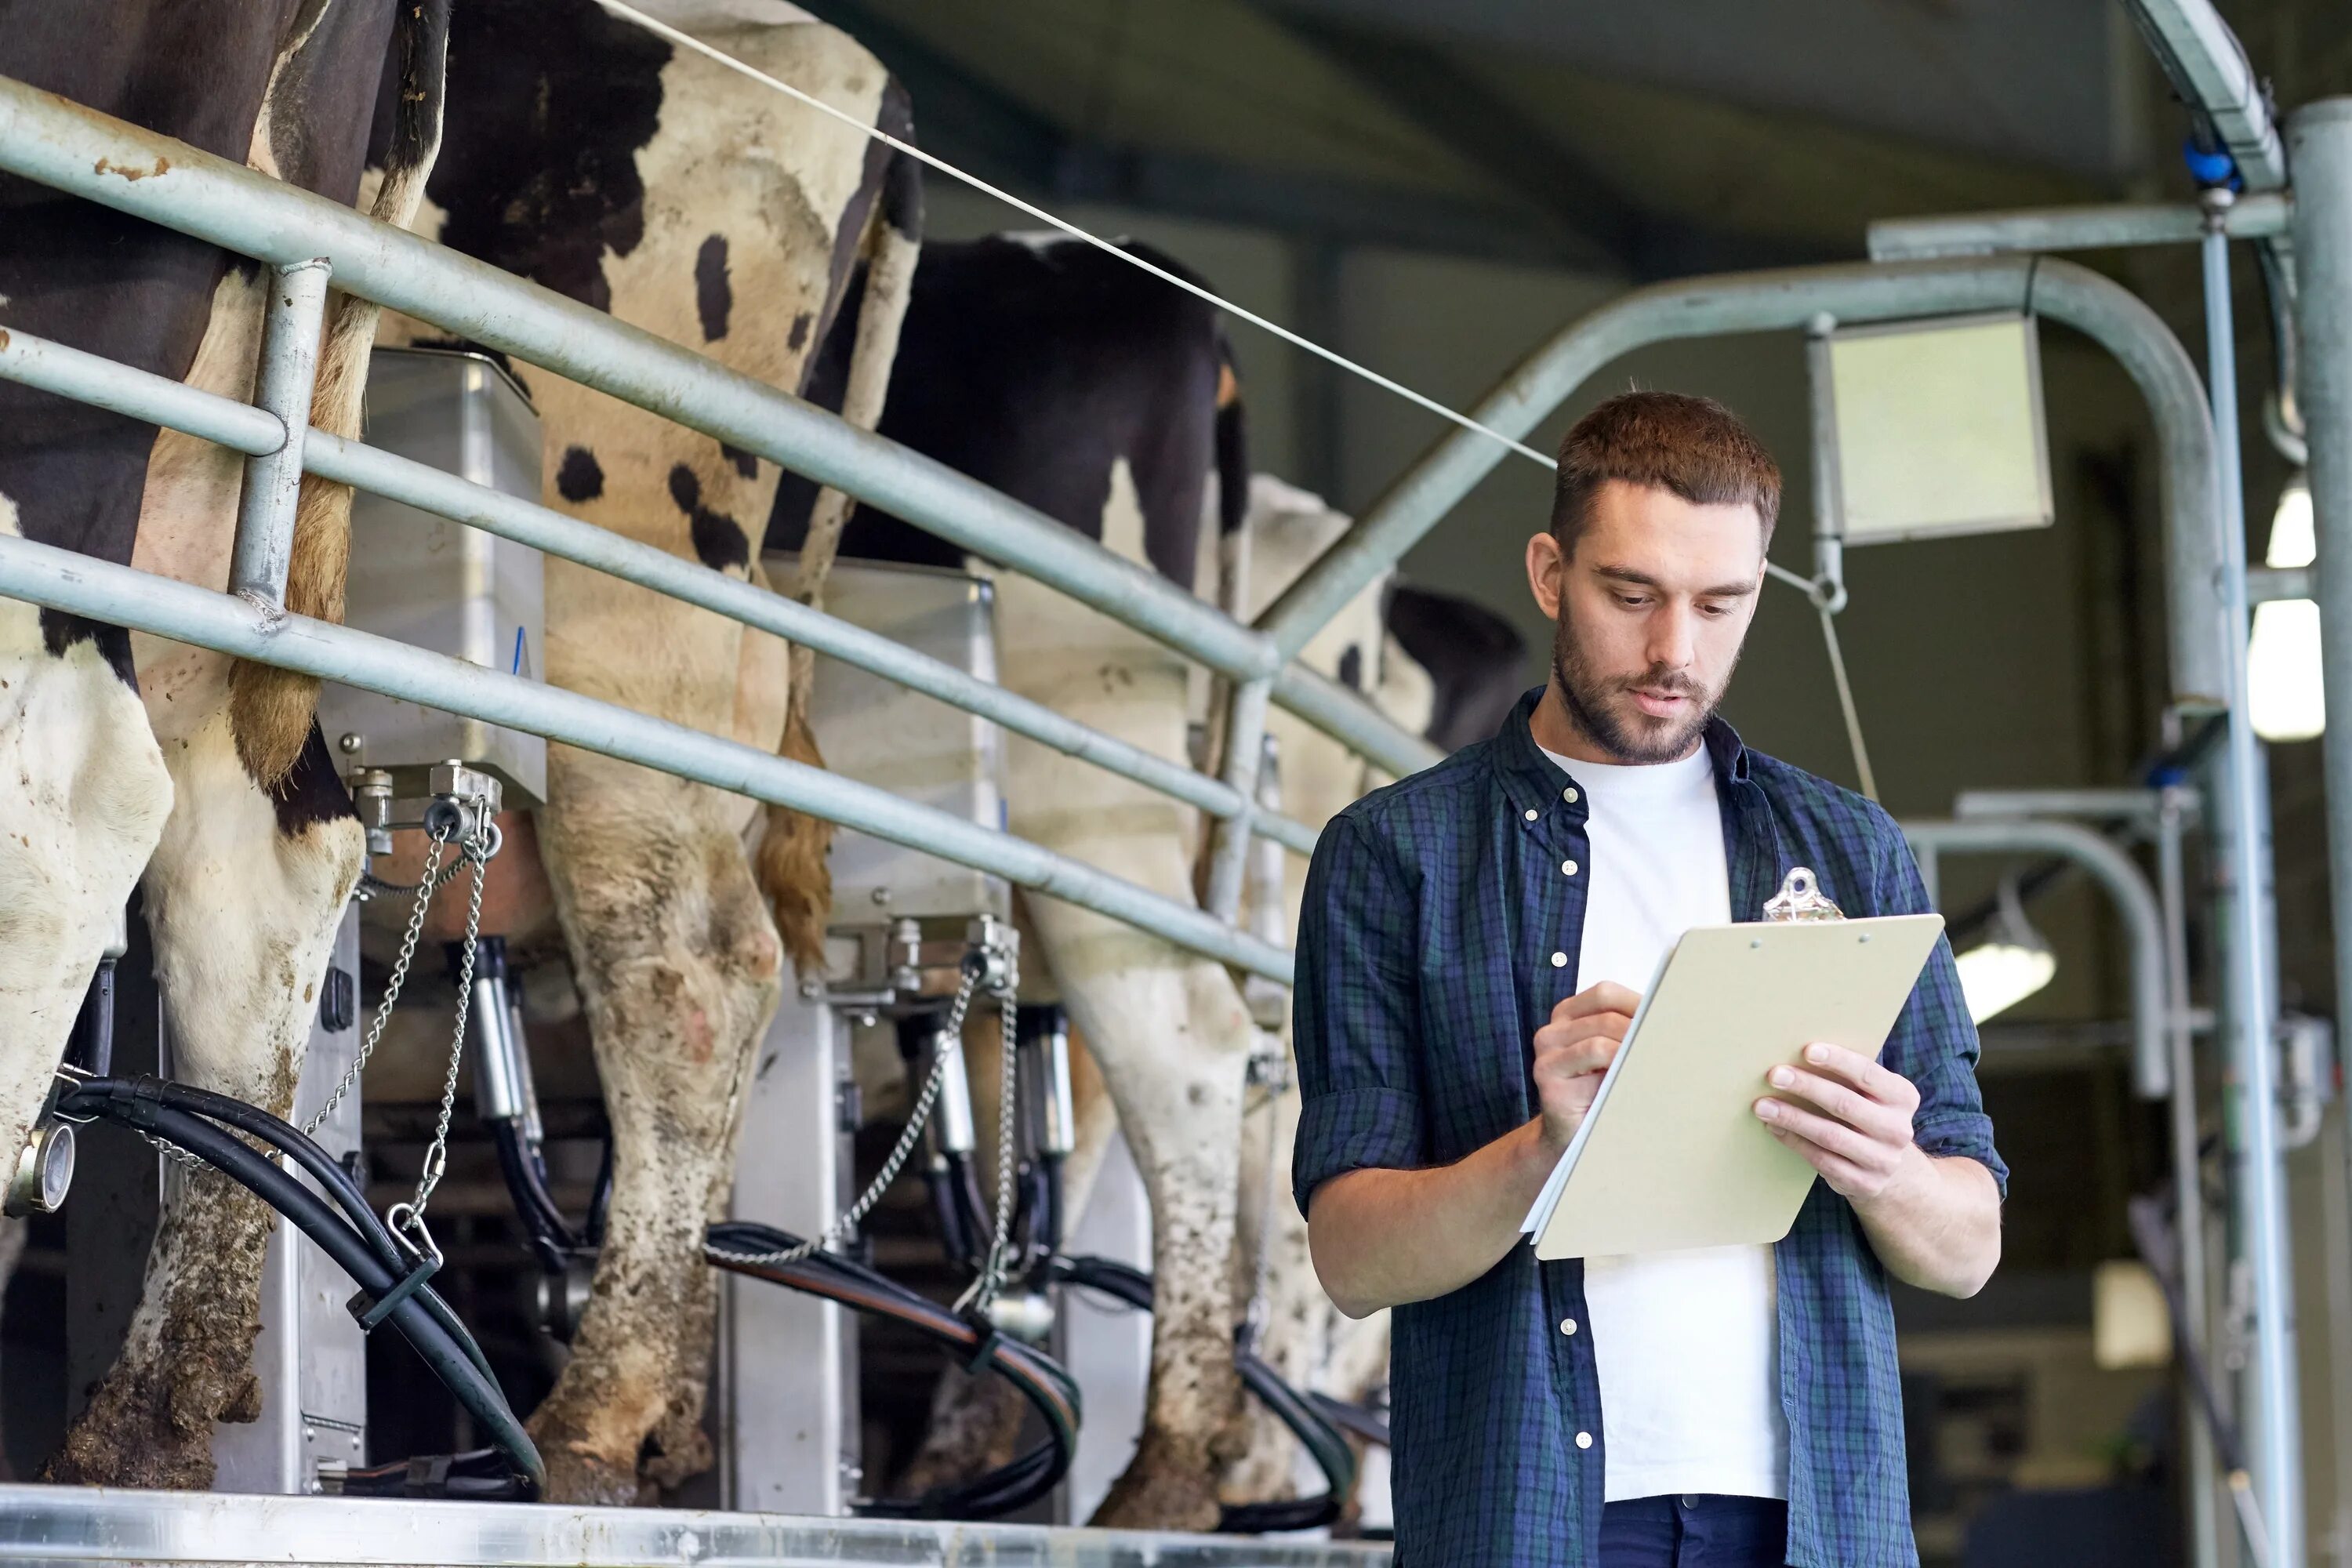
column 1845, row 704
column 663, row 29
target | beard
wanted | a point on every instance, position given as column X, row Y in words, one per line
column 1602, row 706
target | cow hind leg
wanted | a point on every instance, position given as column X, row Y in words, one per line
column 83, row 796
column 242, row 898
column 1168, row 1029
column 678, row 964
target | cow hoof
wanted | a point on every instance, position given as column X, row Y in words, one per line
column 588, row 1481
column 137, row 1433
column 1155, row 1498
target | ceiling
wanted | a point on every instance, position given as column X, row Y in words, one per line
column 1647, row 141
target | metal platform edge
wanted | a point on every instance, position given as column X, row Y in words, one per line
column 100, row 1524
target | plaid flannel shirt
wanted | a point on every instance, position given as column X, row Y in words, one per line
column 1433, row 913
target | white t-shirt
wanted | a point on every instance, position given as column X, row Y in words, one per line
column 1686, row 1343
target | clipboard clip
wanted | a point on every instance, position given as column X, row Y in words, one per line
column 1800, row 899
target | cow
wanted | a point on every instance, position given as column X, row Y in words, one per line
column 593, row 156
column 1089, row 390
column 125, row 759
column 1104, row 398
column 1439, row 666
column 1472, row 656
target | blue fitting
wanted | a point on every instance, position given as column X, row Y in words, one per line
column 2212, row 167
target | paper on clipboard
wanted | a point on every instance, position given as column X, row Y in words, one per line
column 1671, row 1155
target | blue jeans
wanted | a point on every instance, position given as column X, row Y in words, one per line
column 1695, row 1533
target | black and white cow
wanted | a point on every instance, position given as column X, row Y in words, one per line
column 125, row 759
column 595, row 157
column 1070, row 380
column 1104, row 397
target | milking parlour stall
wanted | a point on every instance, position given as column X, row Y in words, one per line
column 670, row 670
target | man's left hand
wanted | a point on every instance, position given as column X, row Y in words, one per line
column 1848, row 1116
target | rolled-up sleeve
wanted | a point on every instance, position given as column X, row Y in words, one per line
column 1935, row 1041
column 1355, row 1022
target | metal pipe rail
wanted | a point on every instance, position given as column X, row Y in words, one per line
column 75, row 149
column 77, row 585
column 1790, row 299
column 53, row 367
column 2135, row 901
column 2122, row 226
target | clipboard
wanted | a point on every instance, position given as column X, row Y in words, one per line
column 1672, row 1155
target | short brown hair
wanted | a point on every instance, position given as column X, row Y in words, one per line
column 1693, row 447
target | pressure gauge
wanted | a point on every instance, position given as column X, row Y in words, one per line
column 44, row 1170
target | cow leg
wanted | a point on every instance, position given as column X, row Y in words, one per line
column 83, row 796
column 1168, row 1029
column 678, row 962
column 242, row 898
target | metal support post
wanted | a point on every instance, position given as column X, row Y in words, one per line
column 290, row 322
column 2188, row 1185
column 1244, row 745
column 787, row 1373
column 2320, row 138
column 2275, row 1429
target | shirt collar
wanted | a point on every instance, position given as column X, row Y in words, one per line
column 1532, row 781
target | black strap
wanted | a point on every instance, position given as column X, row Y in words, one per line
column 371, row 1315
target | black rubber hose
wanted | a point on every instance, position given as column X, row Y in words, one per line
column 940, row 1182
column 351, row 1250
column 1048, row 1387
column 1367, row 1422
column 337, row 1182
column 1321, row 1439
column 552, row 1241
column 972, row 1209
column 478, row 1475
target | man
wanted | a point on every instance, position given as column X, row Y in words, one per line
column 1468, row 956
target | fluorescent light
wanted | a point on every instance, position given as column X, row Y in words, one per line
column 1999, row 975
column 2285, row 697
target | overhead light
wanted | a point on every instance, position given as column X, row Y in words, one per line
column 2285, row 697
column 2011, row 966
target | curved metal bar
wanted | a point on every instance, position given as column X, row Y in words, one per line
column 1762, row 302
column 2135, row 901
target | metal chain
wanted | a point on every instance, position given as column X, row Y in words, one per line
column 1271, row 1070
column 951, row 1039
column 991, row 1281
column 436, row 1157
column 391, row 987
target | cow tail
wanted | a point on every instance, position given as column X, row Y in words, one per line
column 271, row 710
column 1233, row 488
column 790, row 864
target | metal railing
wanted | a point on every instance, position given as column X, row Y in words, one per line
column 310, row 239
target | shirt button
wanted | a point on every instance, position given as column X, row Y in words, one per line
column 1569, row 794
column 1568, row 1325
column 1584, row 1439
column 1568, row 867
column 1559, row 960
column 1689, row 1500
column 1531, row 813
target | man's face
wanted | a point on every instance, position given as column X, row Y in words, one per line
column 1651, row 611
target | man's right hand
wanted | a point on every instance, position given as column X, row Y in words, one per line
column 1574, row 1050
